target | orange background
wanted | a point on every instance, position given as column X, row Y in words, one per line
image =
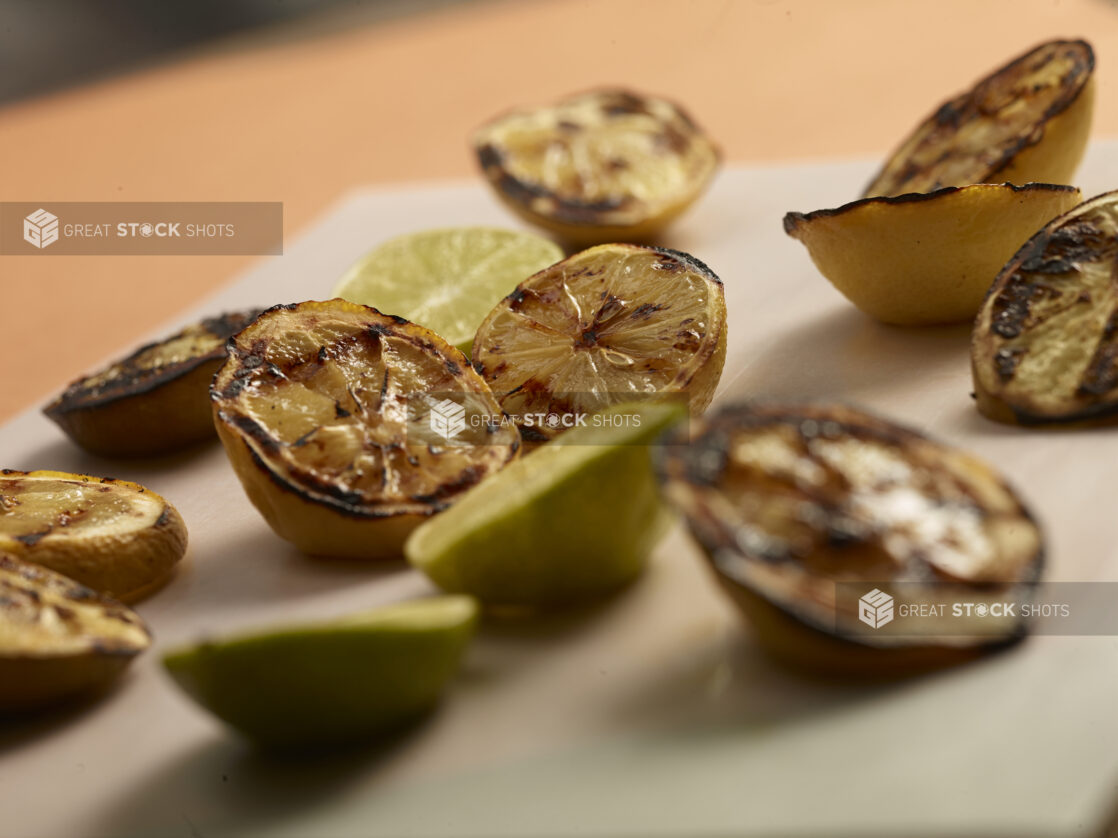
column 301, row 119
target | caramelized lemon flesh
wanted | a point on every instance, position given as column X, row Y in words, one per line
column 803, row 509
column 1027, row 122
column 155, row 401
column 116, row 537
column 613, row 323
column 608, row 165
column 59, row 639
column 325, row 410
column 1043, row 349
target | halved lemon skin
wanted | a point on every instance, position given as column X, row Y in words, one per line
column 73, row 643
column 568, row 212
column 129, row 561
column 1047, row 149
column 320, row 519
column 1042, row 350
column 782, row 590
column 154, row 401
column 926, row 258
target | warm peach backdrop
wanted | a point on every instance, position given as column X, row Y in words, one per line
column 303, row 120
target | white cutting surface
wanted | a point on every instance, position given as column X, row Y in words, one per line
column 652, row 714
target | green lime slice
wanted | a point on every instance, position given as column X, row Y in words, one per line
column 571, row 521
column 446, row 280
column 333, row 682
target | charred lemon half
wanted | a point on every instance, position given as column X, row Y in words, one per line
column 924, row 259
column 1028, row 121
column 807, row 511
column 59, row 639
column 116, row 537
column 608, row 165
column 611, row 324
column 348, row 427
column 1045, row 345
column 155, row 400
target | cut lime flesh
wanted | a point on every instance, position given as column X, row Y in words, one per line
column 446, row 279
column 330, row 683
column 572, row 521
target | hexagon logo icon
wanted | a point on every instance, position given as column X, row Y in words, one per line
column 875, row 609
column 40, row 228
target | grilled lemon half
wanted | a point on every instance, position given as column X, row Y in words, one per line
column 607, row 165
column 1044, row 347
column 924, row 259
column 348, row 427
column 59, row 639
column 116, row 537
column 611, row 324
column 803, row 510
column 1028, row 121
column 155, row 400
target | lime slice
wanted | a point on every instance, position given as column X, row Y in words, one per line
column 572, row 521
column 332, row 682
column 446, row 280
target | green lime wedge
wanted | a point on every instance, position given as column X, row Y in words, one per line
column 333, row 682
column 571, row 521
column 446, row 280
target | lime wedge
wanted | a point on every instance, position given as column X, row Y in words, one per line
column 446, row 280
column 334, row 682
column 572, row 521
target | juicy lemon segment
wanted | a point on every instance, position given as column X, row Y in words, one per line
column 57, row 638
column 446, row 280
column 607, row 325
column 608, row 165
column 324, row 411
column 1044, row 342
column 802, row 510
column 115, row 537
column 154, row 401
column 333, row 682
column 925, row 259
column 1026, row 122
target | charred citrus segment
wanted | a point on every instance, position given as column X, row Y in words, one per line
column 1044, row 346
column 1028, row 121
column 59, row 639
column 446, row 280
column 609, row 324
column 116, row 537
column 608, row 165
column 929, row 258
column 334, row 682
column 155, row 401
column 797, row 506
column 574, row 521
column 321, row 408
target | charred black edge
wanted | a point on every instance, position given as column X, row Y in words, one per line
column 584, row 214
column 1057, row 107
column 671, row 456
column 1036, row 245
column 72, row 400
column 792, row 220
